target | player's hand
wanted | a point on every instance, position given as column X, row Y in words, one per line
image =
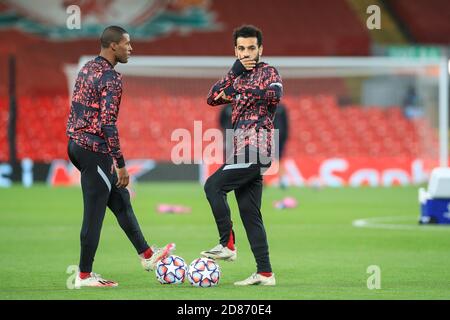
column 122, row 177
column 248, row 63
column 221, row 95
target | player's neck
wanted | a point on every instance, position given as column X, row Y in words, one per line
column 108, row 56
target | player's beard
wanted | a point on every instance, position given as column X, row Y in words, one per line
column 257, row 58
column 122, row 59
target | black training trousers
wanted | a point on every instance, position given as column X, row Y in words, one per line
column 98, row 182
column 246, row 181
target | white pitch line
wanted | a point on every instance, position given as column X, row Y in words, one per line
column 383, row 223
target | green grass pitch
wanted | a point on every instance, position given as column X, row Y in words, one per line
column 316, row 252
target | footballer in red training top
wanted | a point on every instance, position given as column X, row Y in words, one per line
column 94, row 148
column 254, row 88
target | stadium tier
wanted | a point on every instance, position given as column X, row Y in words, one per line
column 336, row 29
column 329, row 116
column 319, row 127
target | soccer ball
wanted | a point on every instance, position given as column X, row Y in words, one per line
column 204, row 272
column 171, row 270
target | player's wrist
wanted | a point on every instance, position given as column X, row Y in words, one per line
column 120, row 163
column 238, row 68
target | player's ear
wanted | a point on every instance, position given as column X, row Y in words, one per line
column 260, row 50
column 113, row 46
column 236, row 52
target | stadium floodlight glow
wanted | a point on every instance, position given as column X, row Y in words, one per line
column 201, row 67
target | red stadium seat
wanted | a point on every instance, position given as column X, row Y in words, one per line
column 319, row 127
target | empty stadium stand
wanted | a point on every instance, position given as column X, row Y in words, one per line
column 319, row 127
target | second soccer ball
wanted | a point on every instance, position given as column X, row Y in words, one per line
column 204, row 272
column 171, row 270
